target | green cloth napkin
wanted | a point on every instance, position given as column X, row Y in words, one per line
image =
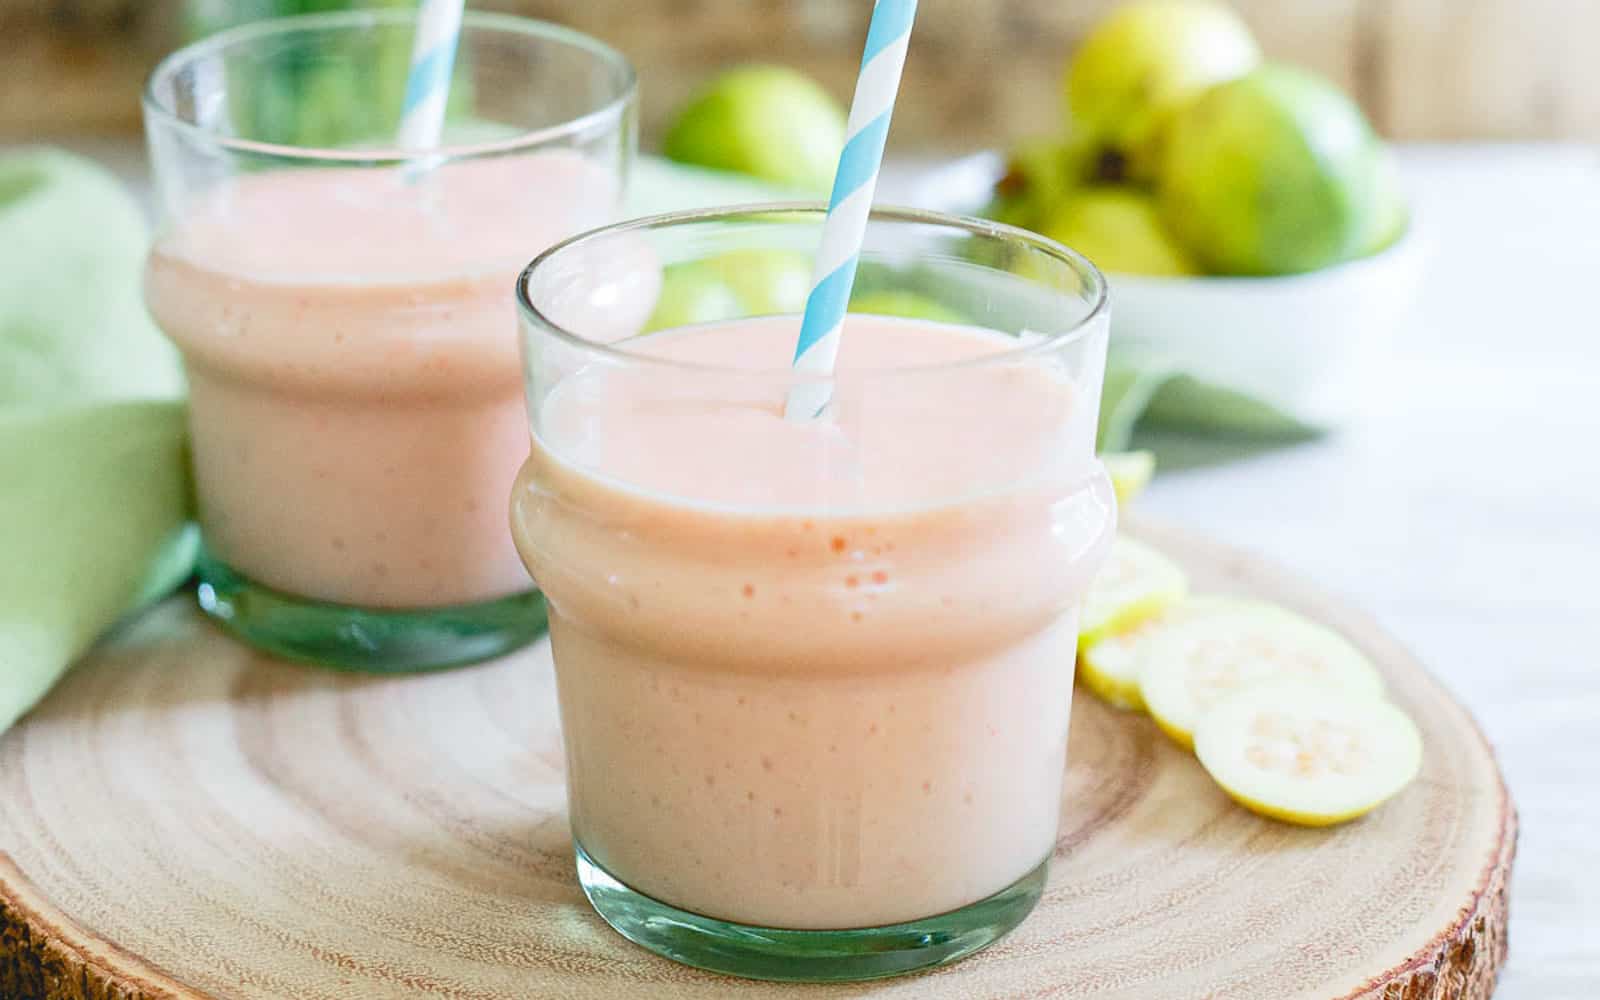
column 93, row 489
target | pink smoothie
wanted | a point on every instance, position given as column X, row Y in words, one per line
column 816, row 675
column 356, row 397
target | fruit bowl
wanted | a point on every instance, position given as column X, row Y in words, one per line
column 1256, row 350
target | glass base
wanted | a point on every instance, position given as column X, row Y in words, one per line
column 366, row 640
column 800, row 955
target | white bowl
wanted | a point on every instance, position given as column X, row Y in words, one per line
column 1305, row 345
column 1308, row 345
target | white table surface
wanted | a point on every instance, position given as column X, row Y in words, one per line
column 1463, row 510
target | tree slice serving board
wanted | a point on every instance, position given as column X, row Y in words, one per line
column 184, row 818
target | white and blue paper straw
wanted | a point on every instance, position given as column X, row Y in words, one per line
column 848, row 210
column 433, row 59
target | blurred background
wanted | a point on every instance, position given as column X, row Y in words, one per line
column 1375, row 365
column 985, row 72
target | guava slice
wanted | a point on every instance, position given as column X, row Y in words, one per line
column 1297, row 751
column 1111, row 667
column 1196, row 661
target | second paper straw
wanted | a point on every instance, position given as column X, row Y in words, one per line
column 834, row 276
column 433, row 58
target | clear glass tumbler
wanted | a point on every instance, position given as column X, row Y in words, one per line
column 342, row 309
column 814, row 675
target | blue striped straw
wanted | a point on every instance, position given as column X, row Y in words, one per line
column 433, row 58
column 853, row 187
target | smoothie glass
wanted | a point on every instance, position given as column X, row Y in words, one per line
column 814, row 677
column 342, row 309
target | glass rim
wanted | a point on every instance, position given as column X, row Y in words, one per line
column 984, row 228
column 613, row 110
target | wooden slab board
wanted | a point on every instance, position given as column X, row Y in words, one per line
column 183, row 818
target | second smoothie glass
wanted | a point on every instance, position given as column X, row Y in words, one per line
column 341, row 306
column 814, row 679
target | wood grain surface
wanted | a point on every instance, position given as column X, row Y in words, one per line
column 981, row 73
column 186, row 819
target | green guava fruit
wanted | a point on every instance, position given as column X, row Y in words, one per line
column 770, row 122
column 1119, row 229
column 766, row 282
column 692, row 294
column 906, row 305
column 1144, row 61
column 1393, row 215
column 1273, row 173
